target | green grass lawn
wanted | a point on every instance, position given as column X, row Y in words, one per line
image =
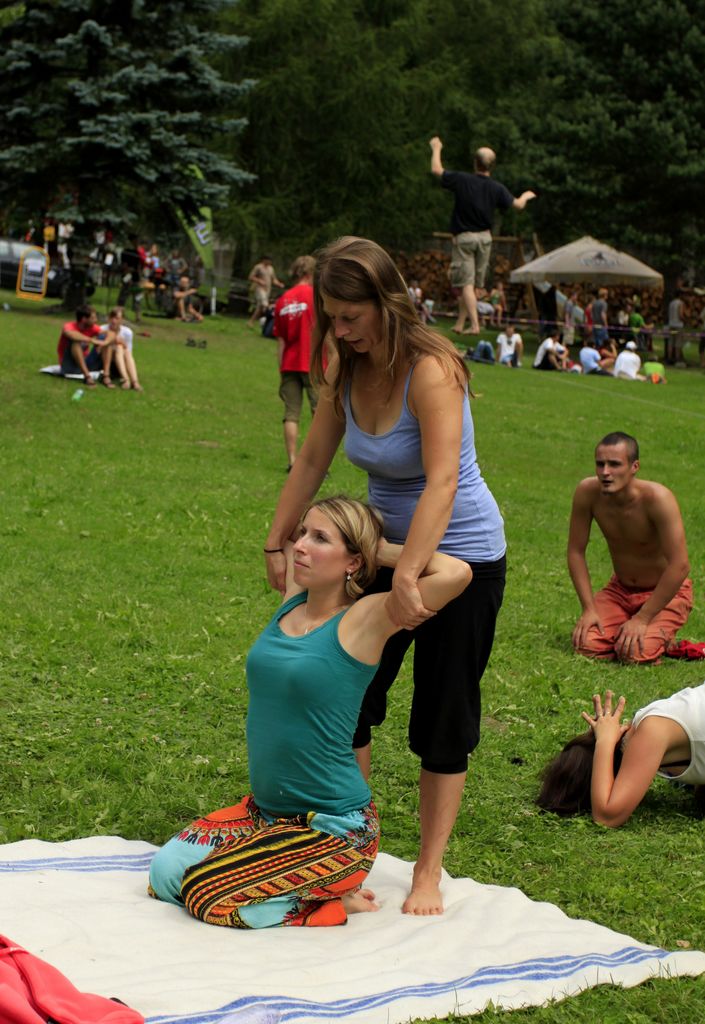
column 133, row 585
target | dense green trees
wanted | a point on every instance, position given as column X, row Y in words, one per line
column 624, row 136
column 105, row 106
column 348, row 94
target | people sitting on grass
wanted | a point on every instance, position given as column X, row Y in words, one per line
column 308, row 834
column 607, row 770
column 123, row 357
column 498, row 301
column 186, row 303
column 551, row 353
column 635, row 618
column 84, row 348
column 592, row 362
column 483, row 352
column 627, row 365
column 510, row 347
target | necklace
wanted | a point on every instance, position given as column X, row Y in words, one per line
column 328, row 615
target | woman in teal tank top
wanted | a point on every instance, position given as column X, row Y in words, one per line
column 296, row 851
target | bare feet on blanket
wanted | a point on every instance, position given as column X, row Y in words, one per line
column 360, row 902
column 425, row 896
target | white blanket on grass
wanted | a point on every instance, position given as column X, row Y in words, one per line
column 82, row 905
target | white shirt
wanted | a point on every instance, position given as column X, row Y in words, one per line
column 125, row 334
column 548, row 345
column 687, row 707
column 627, row 364
column 507, row 345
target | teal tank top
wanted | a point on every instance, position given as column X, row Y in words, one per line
column 305, row 696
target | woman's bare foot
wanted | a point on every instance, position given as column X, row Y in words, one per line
column 359, row 902
column 425, row 896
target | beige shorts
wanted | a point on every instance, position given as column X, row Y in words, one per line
column 262, row 297
column 291, row 391
column 470, row 258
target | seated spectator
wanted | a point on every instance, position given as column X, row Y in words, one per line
column 74, row 348
column 592, row 362
column 485, row 309
column 510, row 347
column 123, row 357
column 628, row 363
column 482, row 353
column 186, row 308
column 498, row 302
column 416, row 296
column 608, row 349
column 551, row 354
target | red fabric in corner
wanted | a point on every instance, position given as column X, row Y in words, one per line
column 31, row 991
column 688, row 649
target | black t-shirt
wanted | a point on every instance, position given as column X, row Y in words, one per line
column 476, row 198
column 131, row 261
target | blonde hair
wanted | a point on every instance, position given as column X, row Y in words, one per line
column 361, row 527
column 358, row 270
column 303, row 266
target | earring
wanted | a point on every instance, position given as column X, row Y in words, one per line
column 348, row 577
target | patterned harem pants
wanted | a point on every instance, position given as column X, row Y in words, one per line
column 236, row 867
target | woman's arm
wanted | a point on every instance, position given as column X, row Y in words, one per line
column 303, row 482
column 614, row 799
column 443, row 578
column 365, row 629
column 437, row 402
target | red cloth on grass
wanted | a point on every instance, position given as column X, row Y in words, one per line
column 32, row 992
column 689, row 649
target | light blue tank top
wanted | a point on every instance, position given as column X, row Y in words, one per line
column 305, row 697
column 396, row 480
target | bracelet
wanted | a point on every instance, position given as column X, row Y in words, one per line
column 273, row 551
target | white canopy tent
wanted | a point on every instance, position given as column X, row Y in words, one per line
column 587, row 261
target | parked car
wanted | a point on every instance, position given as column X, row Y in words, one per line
column 11, row 251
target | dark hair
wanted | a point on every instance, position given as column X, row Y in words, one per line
column 618, row 437
column 566, row 780
column 84, row 312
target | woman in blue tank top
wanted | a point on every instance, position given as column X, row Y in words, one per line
column 398, row 392
column 296, row 851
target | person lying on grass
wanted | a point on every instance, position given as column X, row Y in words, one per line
column 607, row 770
column 296, row 851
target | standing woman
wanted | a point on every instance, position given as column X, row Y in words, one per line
column 397, row 391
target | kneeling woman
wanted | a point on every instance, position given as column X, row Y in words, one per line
column 607, row 770
column 297, row 850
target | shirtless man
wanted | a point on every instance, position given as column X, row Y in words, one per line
column 636, row 616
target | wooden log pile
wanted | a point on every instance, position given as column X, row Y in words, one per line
column 431, row 268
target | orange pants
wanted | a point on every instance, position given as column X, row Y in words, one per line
column 617, row 603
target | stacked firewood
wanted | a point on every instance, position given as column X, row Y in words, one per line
column 431, row 269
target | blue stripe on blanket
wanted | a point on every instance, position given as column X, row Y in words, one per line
column 542, row 969
column 114, row 862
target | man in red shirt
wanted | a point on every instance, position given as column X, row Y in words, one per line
column 293, row 319
column 74, row 348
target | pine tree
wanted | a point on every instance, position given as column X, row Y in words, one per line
column 106, row 106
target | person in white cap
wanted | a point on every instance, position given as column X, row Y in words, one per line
column 628, row 363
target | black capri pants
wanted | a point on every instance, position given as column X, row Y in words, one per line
column 451, row 651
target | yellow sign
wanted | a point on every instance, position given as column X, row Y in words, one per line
column 32, row 273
